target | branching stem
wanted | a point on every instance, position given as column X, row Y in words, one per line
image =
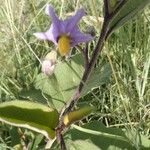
column 89, row 65
column 88, row 69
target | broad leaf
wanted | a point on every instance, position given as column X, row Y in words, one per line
column 61, row 85
column 126, row 12
column 34, row 95
column 97, row 137
column 98, row 77
column 34, row 116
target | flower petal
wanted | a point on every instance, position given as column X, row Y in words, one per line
column 78, row 37
column 82, row 38
column 72, row 21
column 63, row 27
column 50, row 12
column 41, row 35
column 51, row 34
column 55, row 29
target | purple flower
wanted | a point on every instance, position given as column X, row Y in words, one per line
column 64, row 33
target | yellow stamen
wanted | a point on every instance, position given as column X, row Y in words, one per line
column 63, row 45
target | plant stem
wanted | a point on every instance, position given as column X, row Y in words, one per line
column 59, row 136
column 89, row 67
column 86, row 74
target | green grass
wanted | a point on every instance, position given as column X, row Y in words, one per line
column 123, row 102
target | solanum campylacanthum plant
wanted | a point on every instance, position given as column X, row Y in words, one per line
column 64, row 33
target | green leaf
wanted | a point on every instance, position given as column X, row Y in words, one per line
column 126, row 12
column 34, row 116
column 112, row 5
column 98, row 77
column 96, row 136
column 61, row 85
column 35, row 144
column 138, row 139
column 34, row 95
column 15, row 137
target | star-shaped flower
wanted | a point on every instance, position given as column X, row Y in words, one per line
column 64, row 33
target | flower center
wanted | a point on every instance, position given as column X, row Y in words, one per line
column 63, row 45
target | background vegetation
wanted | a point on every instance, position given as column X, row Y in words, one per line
column 122, row 102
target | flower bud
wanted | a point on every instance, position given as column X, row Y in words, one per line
column 48, row 64
column 51, row 56
column 48, row 67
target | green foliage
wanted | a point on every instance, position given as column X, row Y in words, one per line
column 35, row 95
column 67, row 75
column 128, row 49
column 34, row 116
column 126, row 12
column 15, row 137
column 96, row 136
column 112, row 5
column 36, row 142
column 99, row 76
column 77, row 115
column 61, row 85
